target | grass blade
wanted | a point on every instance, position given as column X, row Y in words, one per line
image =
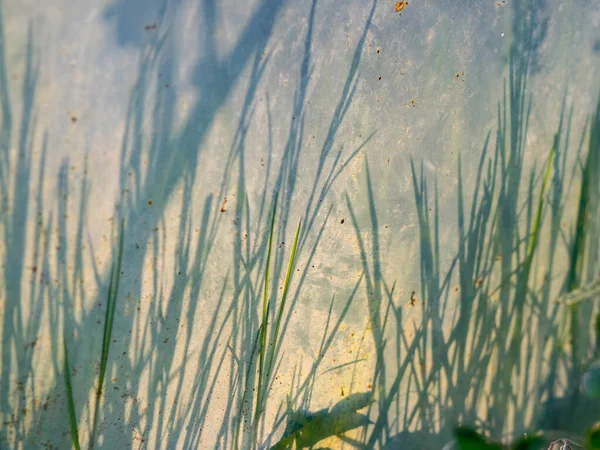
column 263, row 327
column 531, row 246
column 70, row 402
column 286, row 285
column 113, row 289
column 538, row 215
column 573, row 280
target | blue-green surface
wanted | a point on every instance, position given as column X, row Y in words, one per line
column 410, row 145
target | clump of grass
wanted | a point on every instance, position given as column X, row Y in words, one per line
column 267, row 342
column 113, row 289
column 505, row 337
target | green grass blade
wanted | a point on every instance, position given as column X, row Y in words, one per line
column 70, row 402
column 573, row 280
column 538, row 215
column 264, row 325
column 523, row 283
column 286, row 285
column 113, row 289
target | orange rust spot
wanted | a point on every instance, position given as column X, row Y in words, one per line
column 400, row 6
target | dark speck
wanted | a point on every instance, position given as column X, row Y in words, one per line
column 74, row 119
column 342, row 221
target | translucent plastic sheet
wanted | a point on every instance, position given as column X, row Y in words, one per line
column 409, row 143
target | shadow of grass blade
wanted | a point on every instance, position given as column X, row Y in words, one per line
column 113, row 289
column 70, row 402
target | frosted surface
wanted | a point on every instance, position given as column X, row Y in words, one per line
column 184, row 119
